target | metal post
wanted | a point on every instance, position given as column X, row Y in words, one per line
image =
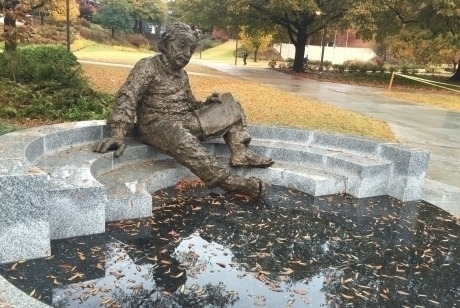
column 236, row 50
column 324, row 45
column 67, row 12
column 391, row 81
column 333, row 48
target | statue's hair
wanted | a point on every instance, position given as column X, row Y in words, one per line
column 172, row 30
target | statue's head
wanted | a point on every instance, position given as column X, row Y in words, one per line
column 177, row 43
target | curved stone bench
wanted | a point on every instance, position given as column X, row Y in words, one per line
column 53, row 186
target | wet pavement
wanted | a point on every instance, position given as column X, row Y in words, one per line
column 204, row 249
column 433, row 129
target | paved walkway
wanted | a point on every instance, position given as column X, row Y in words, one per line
column 433, row 129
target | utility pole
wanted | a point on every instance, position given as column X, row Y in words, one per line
column 67, row 13
column 323, row 40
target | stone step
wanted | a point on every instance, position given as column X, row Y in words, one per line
column 81, row 203
column 129, row 187
column 366, row 176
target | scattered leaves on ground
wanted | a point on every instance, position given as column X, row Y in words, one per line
column 262, row 105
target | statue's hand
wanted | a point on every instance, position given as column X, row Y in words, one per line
column 214, row 98
column 110, row 143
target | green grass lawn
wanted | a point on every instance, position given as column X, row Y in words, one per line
column 224, row 53
column 111, row 55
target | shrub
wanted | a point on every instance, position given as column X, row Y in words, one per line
column 314, row 64
column 341, row 68
column 269, row 54
column 66, row 103
column 405, row 70
column 363, row 67
column 272, row 63
column 4, row 129
column 84, row 23
column 224, row 39
column 137, row 40
column 289, row 60
column 282, row 65
column 393, row 69
column 351, row 65
column 206, row 43
column 327, row 65
column 40, row 64
column 95, row 34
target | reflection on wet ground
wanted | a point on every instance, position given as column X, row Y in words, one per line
column 203, row 249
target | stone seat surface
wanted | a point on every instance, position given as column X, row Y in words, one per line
column 58, row 191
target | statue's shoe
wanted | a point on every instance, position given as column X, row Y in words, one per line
column 251, row 187
column 250, row 159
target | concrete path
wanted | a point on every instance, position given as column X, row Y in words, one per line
column 434, row 129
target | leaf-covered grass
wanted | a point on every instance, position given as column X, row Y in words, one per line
column 441, row 100
column 263, row 105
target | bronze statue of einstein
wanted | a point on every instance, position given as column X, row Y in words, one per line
column 157, row 95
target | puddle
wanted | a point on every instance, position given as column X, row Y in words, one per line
column 203, row 249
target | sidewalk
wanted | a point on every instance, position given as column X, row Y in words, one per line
column 433, row 129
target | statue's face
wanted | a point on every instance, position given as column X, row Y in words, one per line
column 180, row 50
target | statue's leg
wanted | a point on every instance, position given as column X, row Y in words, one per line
column 237, row 138
column 177, row 141
column 227, row 119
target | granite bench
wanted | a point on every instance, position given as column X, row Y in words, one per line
column 53, row 186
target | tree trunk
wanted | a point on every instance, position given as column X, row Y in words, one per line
column 10, row 40
column 140, row 28
column 454, row 64
column 456, row 76
column 300, row 50
column 113, row 32
column 255, row 54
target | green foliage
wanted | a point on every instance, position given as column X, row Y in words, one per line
column 40, row 64
column 4, row 129
column 115, row 16
column 52, row 103
column 46, row 82
column 207, row 42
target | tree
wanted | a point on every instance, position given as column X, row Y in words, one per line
column 147, row 10
column 13, row 11
column 57, row 10
column 297, row 17
column 430, row 27
column 255, row 39
column 115, row 16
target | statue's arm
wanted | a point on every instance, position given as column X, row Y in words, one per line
column 195, row 104
column 121, row 121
